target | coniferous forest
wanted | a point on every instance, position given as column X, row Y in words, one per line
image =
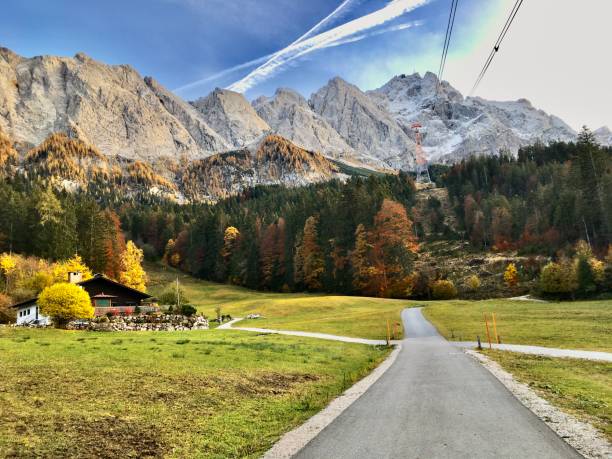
column 360, row 236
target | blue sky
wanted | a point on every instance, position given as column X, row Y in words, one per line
column 180, row 42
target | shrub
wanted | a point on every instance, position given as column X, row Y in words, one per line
column 169, row 297
column 557, row 278
column 473, row 283
column 65, row 302
column 188, row 310
column 443, row 289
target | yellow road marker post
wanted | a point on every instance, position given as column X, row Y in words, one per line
column 488, row 334
column 495, row 328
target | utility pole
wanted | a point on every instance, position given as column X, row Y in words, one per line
column 178, row 296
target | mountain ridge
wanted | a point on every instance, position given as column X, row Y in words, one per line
column 125, row 115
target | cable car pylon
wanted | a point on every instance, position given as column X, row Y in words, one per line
column 422, row 171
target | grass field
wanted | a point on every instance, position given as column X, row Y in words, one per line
column 343, row 315
column 573, row 325
column 579, row 387
column 185, row 394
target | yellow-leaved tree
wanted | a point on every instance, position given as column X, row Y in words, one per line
column 511, row 275
column 7, row 266
column 75, row 264
column 64, row 302
column 132, row 273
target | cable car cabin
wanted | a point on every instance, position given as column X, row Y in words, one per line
column 107, row 296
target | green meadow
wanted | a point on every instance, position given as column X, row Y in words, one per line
column 164, row 394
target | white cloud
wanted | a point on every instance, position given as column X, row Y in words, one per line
column 280, row 59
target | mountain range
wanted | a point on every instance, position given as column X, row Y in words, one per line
column 124, row 115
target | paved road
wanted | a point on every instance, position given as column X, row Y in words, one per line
column 436, row 402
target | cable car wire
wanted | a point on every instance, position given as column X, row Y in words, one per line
column 449, row 32
column 497, row 44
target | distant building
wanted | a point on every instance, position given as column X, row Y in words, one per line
column 106, row 296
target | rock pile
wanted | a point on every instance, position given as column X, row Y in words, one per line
column 164, row 322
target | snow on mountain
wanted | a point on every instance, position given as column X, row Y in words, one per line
column 455, row 127
column 603, row 135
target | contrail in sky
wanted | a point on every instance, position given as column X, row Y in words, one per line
column 260, row 60
column 311, row 41
column 395, row 28
column 298, row 49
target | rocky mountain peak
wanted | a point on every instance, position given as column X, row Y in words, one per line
column 603, row 136
column 454, row 127
column 363, row 124
column 110, row 106
column 231, row 116
column 82, row 57
column 289, row 114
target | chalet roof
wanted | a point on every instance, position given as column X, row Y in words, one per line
column 101, row 278
column 25, row 303
column 104, row 295
column 98, row 278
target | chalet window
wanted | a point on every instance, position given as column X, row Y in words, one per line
column 102, row 303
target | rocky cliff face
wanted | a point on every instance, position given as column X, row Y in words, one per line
column 455, row 127
column 111, row 107
column 365, row 126
column 290, row 116
column 231, row 116
column 189, row 117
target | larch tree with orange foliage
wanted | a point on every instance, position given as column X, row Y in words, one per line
column 393, row 248
column 114, row 245
column 309, row 264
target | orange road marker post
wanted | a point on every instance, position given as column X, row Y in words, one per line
column 495, row 328
column 488, row 333
column 388, row 333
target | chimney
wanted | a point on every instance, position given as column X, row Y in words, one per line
column 74, row 277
